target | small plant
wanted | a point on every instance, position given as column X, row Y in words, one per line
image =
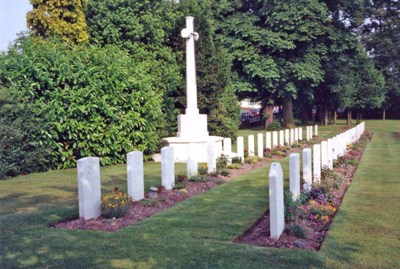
column 115, row 204
column 290, row 206
column 237, row 160
column 149, row 202
column 222, row 164
column 296, row 230
column 251, row 160
column 274, row 126
column 245, row 153
column 202, row 170
column 180, row 182
column 198, row 179
column 234, row 166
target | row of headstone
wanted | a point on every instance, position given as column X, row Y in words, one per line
column 311, row 173
column 272, row 140
column 89, row 187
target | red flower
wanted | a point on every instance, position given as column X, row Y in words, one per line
column 116, row 189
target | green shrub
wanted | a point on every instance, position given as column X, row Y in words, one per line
column 97, row 101
column 115, row 204
column 198, row 179
column 296, row 230
column 237, row 160
column 23, row 145
column 202, row 170
column 222, row 164
column 290, row 206
column 235, row 166
column 149, row 202
column 274, row 126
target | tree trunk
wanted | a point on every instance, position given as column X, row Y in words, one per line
column 325, row 115
column 349, row 116
column 288, row 119
column 268, row 110
column 334, row 117
column 384, row 114
column 305, row 115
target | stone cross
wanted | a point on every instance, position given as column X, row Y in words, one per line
column 191, row 87
column 135, row 172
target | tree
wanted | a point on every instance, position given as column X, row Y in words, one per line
column 381, row 37
column 96, row 101
column 144, row 29
column 63, row 18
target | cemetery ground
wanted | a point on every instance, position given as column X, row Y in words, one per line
column 199, row 232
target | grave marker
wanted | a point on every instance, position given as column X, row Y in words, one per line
column 307, row 169
column 135, row 172
column 317, row 163
column 250, row 143
column 89, row 190
column 294, row 168
column 167, row 168
column 276, row 206
column 260, row 146
column 240, row 147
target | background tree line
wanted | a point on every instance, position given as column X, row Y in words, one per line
column 106, row 77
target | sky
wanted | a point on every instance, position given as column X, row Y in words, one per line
column 12, row 20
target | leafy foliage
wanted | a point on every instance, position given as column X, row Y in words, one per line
column 62, row 18
column 22, row 150
column 97, row 102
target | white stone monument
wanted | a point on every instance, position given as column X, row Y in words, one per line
column 276, row 206
column 135, row 172
column 228, row 147
column 330, row 153
column 268, row 144
column 281, row 138
column 192, row 126
column 240, row 147
column 301, row 134
column 274, row 139
column 260, row 145
column 250, row 144
column 294, row 173
column 287, row 136
column 316, row 130
column 89, row 190
column 324, row 154
column 191, row 162
column 212, row 157
column 307, row 169
column 296, row 134
column 167, row 168
column 291, row 136
column 317, row 163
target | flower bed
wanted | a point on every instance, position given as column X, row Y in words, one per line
column 309, row 217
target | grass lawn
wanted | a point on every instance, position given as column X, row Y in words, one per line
column 198, row 232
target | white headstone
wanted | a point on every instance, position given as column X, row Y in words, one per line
column 324, row 154
column 274, row 139
column 167, row 167
column 307, row 169
column 89, row 190
column 301, row 134
column 276, row 206
column 330, row 153
column 296, row 134
column 135, row 171
column 294, row 167
column 260, row 145
column 250, row 143
column 240, row 147
column 212, row 156
column 191, row 163
column 268, row 144
column 316, row 130
column 287, row 136
column 281, row 138
column 228, row 147
column 291, row 136
column 317, row 163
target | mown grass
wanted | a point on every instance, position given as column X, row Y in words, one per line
column 198, row 232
